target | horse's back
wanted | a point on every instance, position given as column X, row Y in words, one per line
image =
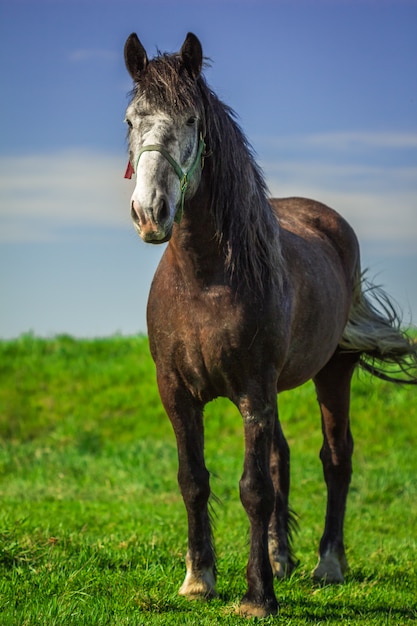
column 315, row 222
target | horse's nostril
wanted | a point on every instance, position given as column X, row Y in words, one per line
column 163, row 210
column 133, row 213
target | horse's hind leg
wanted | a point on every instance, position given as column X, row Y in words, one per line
column 333, row 393
column 280, row 554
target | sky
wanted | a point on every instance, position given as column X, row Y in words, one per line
column 325, row 90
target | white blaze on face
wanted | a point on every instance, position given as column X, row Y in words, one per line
column 157, row 194
column 156, row 182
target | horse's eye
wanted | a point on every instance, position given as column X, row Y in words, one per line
column 191, row 120
column 129, row 123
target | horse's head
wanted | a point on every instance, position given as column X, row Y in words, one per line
column 165, row 119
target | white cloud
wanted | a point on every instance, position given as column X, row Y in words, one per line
column 352, row 140
column 379, row 204
column 41, row 195
column 370, row 178
column 59, row 197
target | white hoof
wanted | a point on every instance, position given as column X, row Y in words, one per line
column 198, row 584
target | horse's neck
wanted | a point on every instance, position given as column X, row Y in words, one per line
column 195, row 247
column 209, row 252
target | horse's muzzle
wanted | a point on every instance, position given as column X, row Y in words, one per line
column 148, row 229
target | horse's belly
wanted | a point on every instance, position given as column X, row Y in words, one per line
column 313, row 342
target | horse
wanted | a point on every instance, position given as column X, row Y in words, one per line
column 252, row 296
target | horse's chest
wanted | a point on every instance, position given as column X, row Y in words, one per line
column 199, row 339
column 209, row 361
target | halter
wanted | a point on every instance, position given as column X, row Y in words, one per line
column 183, row 176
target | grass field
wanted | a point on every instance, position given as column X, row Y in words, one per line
column 92, row 526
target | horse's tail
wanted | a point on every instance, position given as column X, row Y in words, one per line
column 374, row 330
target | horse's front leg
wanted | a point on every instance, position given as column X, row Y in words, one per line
column 257, row 496
column 193, row 477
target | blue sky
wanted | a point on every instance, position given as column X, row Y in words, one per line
column 326, row 91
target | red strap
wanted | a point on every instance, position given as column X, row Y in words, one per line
column 129, row 170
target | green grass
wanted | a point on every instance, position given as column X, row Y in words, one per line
column 92, row 526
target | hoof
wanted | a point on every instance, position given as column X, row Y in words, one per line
column 247, row 609
column 251, row 609
column 282, row 568
column 330, row 569
column 199, row 585
column 282, row 565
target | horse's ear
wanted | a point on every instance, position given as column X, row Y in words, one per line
column 136, row 58
column 192, row 55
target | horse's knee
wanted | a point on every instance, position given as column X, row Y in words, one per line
column 194, row 485
column 257, row 495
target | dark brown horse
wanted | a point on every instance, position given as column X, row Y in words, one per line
column 252, row 297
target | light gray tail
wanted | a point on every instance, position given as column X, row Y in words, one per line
column 374, row 330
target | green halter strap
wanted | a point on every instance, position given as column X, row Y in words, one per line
column 184, row 177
